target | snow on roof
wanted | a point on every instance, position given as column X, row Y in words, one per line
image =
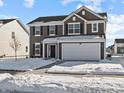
column 72, row 38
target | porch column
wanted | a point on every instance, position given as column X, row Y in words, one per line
column 43, row 50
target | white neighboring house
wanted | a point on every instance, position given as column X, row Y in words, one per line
column 8, row 28
column 119, row 47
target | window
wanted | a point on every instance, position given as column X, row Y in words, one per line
column 13, row 35
column 94, row 27
column 37, row 31
column 73, row 28
column 37, row 49
column 52, row 30
column 26, row 49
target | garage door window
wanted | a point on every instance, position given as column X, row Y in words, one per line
column 74, row 28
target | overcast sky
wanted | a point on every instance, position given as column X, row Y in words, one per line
column 27, row 10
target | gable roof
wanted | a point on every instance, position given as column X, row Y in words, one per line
column 119, row 40
column 75, row 15
column 100, row 15
column 49, row 18
column 23, row 26
column 4, row 21
column 63, row 17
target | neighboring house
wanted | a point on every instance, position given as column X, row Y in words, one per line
column 80, row 35
column 10, row 28
column 119, row 46
column 110, row 50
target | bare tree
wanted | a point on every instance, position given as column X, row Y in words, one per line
column 15, row 45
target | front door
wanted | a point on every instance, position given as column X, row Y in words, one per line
column 52, row 54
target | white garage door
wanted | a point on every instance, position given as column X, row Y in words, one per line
column 81, row 51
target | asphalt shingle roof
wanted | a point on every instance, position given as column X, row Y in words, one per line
column 4, row 21
column 56, row 18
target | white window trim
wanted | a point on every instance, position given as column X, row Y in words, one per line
column 39, row 32
column 54, row 31
column 39, row 49
column 73, row 29
column 96, row 27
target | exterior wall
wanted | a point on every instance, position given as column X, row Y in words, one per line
column 85, row 29
column 70, row 20
column 119, row 48
column 88, row 15
column 60, row 51
column 100, row 29
column 102, row 51
column 6, row 38
column 38, row 39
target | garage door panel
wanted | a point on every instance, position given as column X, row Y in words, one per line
column 84, row 51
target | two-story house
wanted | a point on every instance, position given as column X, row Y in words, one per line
column 10, row 29
column 80, row 35
column 119, row 46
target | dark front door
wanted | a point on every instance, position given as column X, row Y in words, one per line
column 52, row 51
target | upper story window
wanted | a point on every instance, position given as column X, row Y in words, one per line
column 13, row 35
column 52, row 30
column 95, row 27
column 37, row 30
column 73, row 28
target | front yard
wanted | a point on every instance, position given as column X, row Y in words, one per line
column 24, row 64
column 32, row 83
column 51, row 83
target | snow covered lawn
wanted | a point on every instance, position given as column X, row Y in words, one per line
column 23, row 64
column 60, row 84
column 98, row 68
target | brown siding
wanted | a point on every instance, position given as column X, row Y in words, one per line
column 45, row 50
column 34, row 39
column 102, row 50
column 89, row 29
column 59, row 30
column 60, row 51
column 71, row 21
column 88, row 15
column 39, row 39
column 100, row 29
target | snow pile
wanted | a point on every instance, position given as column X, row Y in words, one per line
column 61, row 84
column 89, row 68
column 24, row 64
column 5, row 76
